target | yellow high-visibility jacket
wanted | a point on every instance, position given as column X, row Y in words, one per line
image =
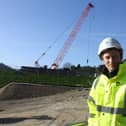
column 107, row 100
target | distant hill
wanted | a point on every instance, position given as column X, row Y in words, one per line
column 5, row 67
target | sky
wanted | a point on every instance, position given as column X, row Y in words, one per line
column 29, row 28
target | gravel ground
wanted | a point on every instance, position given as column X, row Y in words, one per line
column 59, row 109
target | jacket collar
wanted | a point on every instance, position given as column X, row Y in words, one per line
column 110, row 74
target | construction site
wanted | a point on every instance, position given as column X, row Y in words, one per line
column 30, row 104
column 52, row 94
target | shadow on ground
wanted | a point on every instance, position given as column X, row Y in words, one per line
column 19, row 119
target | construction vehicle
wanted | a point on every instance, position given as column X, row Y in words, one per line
column 71, row 38
column 68, row 41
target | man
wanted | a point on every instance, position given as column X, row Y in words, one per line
column 107, row 97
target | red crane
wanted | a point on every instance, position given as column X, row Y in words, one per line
column 71, row 37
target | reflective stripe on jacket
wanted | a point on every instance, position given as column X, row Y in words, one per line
column 107, row 100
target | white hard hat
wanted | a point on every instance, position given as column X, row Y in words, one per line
column 107, row 43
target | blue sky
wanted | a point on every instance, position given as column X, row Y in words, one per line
column 29, row 27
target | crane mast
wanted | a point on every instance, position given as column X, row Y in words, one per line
column 71, row 38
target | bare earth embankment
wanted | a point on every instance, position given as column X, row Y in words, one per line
column 58, row 107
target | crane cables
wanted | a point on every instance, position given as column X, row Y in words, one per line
column 88, row 40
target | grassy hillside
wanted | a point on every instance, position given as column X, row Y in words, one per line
column 77, row 77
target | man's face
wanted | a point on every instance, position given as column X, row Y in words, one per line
column 111, row 59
